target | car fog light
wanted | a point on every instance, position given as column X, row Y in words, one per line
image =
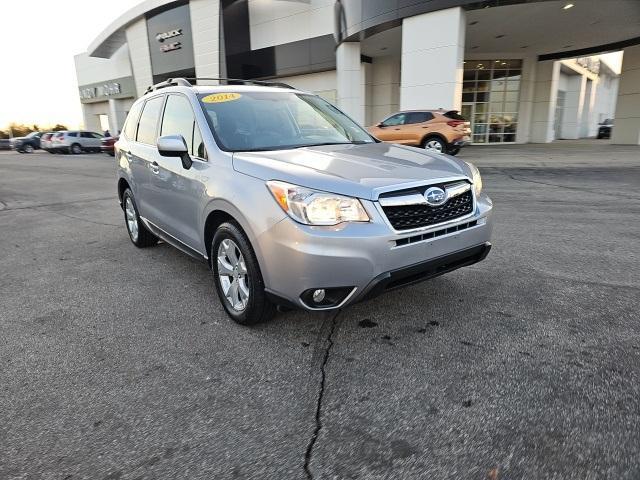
column 318, row 295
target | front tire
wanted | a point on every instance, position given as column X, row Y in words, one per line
column 454, row 151
column 138, row 233
column 28, row 148
column 434, row 144
column 237, row 277
column 75, row 149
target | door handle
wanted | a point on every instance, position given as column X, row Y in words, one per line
column 155, row 168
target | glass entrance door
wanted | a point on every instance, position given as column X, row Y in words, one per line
column 490, row 96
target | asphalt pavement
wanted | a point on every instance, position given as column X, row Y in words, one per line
column 120, row 363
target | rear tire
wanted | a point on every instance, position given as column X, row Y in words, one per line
column 237, row 277
column 138, row 233
column 454, row 151
column 434, row 144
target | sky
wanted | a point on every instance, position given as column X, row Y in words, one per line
column 37, row 73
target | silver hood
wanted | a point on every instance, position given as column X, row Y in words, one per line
column 362, row 171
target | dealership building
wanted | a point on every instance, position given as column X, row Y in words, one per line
column 520, row 70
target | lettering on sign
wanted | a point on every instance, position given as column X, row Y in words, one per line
column 168, row 47
column 104, row 90
column 161, row 37
column 591, row 64
column 88, row 93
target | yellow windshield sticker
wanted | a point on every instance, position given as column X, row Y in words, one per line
column 221, row 97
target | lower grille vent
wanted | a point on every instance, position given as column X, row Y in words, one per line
column 437, row 233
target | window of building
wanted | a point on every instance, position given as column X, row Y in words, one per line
column 148, row 124
column 178, row 119
column 490, row 97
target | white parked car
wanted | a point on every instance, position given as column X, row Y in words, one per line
column 76, row 141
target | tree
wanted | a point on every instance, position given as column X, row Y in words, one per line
column 58, row 128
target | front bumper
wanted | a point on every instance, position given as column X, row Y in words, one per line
column 461, row 142
column 367, row 257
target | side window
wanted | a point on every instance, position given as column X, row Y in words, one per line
column 95, row 135
column 418, row 117
column 178, row 119
column 149, row 121
column 132, row 121
column 86, row 135
column 397, row 119
column 72, row 134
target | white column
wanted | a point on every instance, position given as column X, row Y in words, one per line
column 385, row 80
column 626, row 129
column 350, row 80
column 545, row 94
column 117, row 114
column 140, row 55
column 525, row 105
column 588, row 122
column 91, row 121
column 432, row 60
column 205, row 23
column 573, row 106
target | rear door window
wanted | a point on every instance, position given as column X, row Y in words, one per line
column 148, row 124
column 418, row 117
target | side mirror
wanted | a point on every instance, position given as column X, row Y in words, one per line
column 380, row 125
column 175, row 146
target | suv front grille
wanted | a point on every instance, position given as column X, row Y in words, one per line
column 406, row 217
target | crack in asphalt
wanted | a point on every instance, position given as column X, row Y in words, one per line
column 567, row 187
column 29, row 207
column 318, row 414
column 83, row 219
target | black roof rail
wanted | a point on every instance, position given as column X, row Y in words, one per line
column 169, row 82
column 239, row 81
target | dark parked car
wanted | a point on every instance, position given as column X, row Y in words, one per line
column 107, row 145
column 26, row 144
column 604, row 130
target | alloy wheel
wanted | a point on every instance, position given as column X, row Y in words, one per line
column 132, row 221
column 434, row 145
column 232, row 274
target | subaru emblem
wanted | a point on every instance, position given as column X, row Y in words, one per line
column 435, row 196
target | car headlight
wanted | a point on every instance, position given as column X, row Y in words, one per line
column 475, row 178
column 313, row 207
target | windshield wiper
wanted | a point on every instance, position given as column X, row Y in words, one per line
column 304, row 145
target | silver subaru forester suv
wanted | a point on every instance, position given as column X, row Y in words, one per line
column 290, row 201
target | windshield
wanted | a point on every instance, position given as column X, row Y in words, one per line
column 256, row 121
column 32, row 134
